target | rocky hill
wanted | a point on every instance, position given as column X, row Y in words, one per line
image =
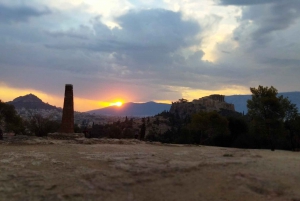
column 31, row 101
column 183, row 108
column 29, row 105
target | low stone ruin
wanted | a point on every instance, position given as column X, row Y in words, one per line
column 65, row 136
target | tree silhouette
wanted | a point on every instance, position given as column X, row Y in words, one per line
column 9, row 119
column 269, row 111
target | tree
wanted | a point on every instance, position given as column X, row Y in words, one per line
column 9, row 119
column 182, row 100
column 237, row 126
column 264, row 104
column 143, row 129
column 293, row 126
column 290, row 109
column 114, row 131
column 268, row 111
column 208, row 126
column 41, row 126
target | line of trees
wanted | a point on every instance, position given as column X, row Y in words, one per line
column 115, row 130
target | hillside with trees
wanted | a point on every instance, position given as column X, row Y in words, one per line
column 271, row 123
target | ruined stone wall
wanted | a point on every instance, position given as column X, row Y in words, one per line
column 216, row 97
column 206, row 104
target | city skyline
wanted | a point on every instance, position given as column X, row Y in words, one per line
column 139, row 51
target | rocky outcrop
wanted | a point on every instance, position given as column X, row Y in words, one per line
column 183, row 108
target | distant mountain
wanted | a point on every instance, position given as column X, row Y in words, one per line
column 240, row 101
column 133, row 109
column 31, row 101
column 152, row 108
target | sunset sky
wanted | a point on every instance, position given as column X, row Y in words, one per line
column 146, row 50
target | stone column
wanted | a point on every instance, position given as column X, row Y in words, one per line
column 67, row 123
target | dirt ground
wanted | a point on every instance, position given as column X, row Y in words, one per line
column 132, row 170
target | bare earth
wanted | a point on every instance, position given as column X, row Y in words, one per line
column 90, row 169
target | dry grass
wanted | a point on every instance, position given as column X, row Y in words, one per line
column 94, row 169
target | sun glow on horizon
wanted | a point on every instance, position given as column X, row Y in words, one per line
column 119, row 104
column 81, row 104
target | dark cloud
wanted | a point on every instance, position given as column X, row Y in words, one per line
column 19, row 13
column 259, row 22
column 276, row 17
column 265, row 17
column 145, row 53
column 267, row 44
column 147, row 37
column 157, row 28
column 81, row 33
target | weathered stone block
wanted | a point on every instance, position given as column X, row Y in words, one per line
column 65, row 136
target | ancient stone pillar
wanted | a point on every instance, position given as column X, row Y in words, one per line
column 67, row 123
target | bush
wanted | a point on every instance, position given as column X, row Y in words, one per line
column 11, row 121
column 41, row 126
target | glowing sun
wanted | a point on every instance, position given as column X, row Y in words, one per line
column 119, row 104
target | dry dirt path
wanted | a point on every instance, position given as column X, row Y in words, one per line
column 70, row 171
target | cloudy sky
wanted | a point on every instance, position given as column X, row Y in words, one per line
column 143, row 50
